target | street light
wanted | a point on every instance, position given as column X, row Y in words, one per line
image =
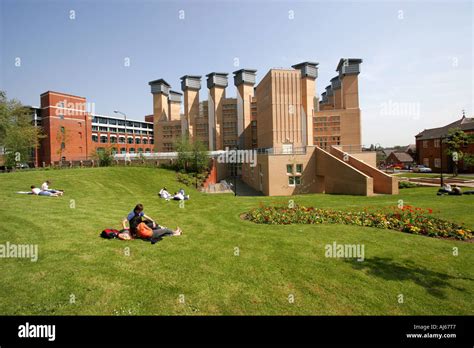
column 126, row 135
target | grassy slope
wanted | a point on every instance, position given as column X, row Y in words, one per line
column 274, row 261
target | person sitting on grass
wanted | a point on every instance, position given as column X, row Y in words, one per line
column 37, row 191
column 165, row 194
column 445, row 189
column 45, row 187
column 144, row 227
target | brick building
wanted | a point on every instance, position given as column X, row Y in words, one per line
column 432, row 153
column 303, row 144
column 73, row 133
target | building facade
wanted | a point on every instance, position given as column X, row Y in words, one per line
column 303, row 144
column 74, row 133
column 431, row 152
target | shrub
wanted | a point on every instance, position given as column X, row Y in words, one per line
column 406, row 219
column 406, row 184
column 190, row 179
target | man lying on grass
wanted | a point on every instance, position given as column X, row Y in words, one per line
column 37, row 191
column 144, row 227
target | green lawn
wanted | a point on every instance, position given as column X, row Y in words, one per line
column 433, row 175
column 273, row 262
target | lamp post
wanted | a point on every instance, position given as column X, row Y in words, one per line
column 126, row 135
column 235, row 171
column 441, row 181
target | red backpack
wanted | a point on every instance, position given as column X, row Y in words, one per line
column 109, row 233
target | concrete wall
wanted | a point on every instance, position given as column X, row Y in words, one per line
column 336, row 176
column 368, row 157
column 382, row 182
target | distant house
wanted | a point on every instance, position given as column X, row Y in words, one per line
column 431, row 152
column 411, row 150
column 400, row 157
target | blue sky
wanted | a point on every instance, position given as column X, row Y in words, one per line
column 418, row 56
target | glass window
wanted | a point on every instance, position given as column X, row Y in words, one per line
column 152, row 141
column 123, row 151
column 103, row 139
column 95, row 138
column 113, row 140
column 297, row 180
column 112, row 121
column 131, row 150
column 102, row 120
column 94, row 128
column 121, row 122
column 122, row 140
column 103, row 129
column 299, row 168
column 437, row 163
column 138, row 141
column 145, row 141
column 147, row 150
column 425, row 144
column 130, row 140
column 289, row 168
column 291, row 180
column 140, row 150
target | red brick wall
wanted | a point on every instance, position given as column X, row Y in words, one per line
column 77, row 128
column 431, row 152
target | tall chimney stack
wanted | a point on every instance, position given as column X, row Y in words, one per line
column 349, row 69
column 244, row 80
column 216, row 82
column 309, row 73
column 337, row 91
column 190, row 85
column 160, row 90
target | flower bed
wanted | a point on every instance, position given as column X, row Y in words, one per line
column 407, row 219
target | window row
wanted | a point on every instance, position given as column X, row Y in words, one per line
column 124, row 150
column 294, row 169
column 103, row 139
column 113, row 121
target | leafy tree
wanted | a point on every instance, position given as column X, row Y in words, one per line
column 192, row 156
column 184, row 149
column 104, row 156
column 455, row 142
column 200, row 157
column 62, row 137
column 18, row 135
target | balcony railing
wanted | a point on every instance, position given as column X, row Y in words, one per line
column 282, row 151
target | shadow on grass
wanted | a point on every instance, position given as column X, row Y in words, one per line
column 433, row 282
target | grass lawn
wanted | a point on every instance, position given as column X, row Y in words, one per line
column 201, row 267
column 433, row 175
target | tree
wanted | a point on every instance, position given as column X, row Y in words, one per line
column 104, row 156
column 200, row 157
column 192, row 156
column 184, row 149
column 18, row 134
column 62, row 137
column 456, row 141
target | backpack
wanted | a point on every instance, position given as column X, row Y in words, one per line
column 109, row 233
